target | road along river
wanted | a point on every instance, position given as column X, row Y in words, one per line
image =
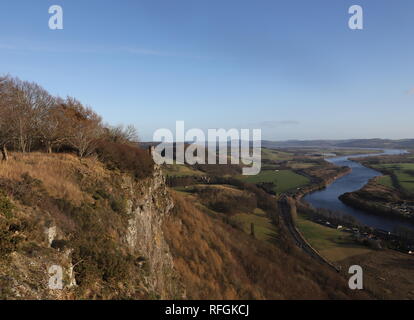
column 328, row 198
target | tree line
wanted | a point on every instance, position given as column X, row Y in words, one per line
column 33, row 119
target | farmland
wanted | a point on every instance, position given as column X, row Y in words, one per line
column 284, row 180
column 334, row 245
column 263, row 227
column 404, row 172
column 181, row 171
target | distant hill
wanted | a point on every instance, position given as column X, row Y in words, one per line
column 352, row 143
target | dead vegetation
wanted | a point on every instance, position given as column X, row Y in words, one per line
column 387, row 274
column 59, row 173
column 86, row 203
column 225, row 263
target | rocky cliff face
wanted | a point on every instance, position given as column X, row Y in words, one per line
column 105, row 234
column 148, row 205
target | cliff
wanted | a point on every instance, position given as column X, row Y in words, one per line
column 149, row 203
column 100, row 228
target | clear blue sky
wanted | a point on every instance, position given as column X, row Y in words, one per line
column 293, row 68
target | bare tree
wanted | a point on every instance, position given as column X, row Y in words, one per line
column 7, row 92
column 30, row 103
column 31, row 117
column 54, row 125
column 84, row 127
column 122, row 134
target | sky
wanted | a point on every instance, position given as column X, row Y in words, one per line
column 292, row 68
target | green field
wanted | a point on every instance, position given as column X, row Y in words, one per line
column 386, row 181
column 177, row 170
column 300, row 165
column 334, row 245
column 276, row 155
column 263, row 227
column 405, row 179
column 284, row 180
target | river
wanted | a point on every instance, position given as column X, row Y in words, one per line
column 328, row 198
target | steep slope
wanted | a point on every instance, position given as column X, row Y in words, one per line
column 218, row 261
column 102, row 227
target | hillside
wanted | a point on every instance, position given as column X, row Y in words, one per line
column 223, row 262
column 102, row 226
column 118, row 237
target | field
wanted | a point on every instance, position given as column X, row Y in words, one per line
column 386, row 181
column 404, row 173
column 180, row 171
column 276, row 155
column 334, row 245
column 264, row 229
column 300, row 165
column 243, row 216
column 284, row 180
column 387, row 274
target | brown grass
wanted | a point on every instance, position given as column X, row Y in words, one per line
column 217, row 261
column 58, row 172
column 387, row 274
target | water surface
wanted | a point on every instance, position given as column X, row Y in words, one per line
column 329, row 198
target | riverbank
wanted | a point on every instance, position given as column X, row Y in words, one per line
column 342, row 241
column 389, row 195
column 319, row 184
column 379, row 200
column 387, row 273
column 328, row 198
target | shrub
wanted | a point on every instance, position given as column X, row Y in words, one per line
column 226, row 202
column 100, row 259
column 117, row 205
column 95, row 244
column 29, row 191
column 268, row 187
column 126, row 158
column 59, row 244
column 100, row 193
column 6, row 207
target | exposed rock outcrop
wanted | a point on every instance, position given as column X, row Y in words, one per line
column 149, row 204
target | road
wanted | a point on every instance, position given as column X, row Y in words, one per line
column 299, row 240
